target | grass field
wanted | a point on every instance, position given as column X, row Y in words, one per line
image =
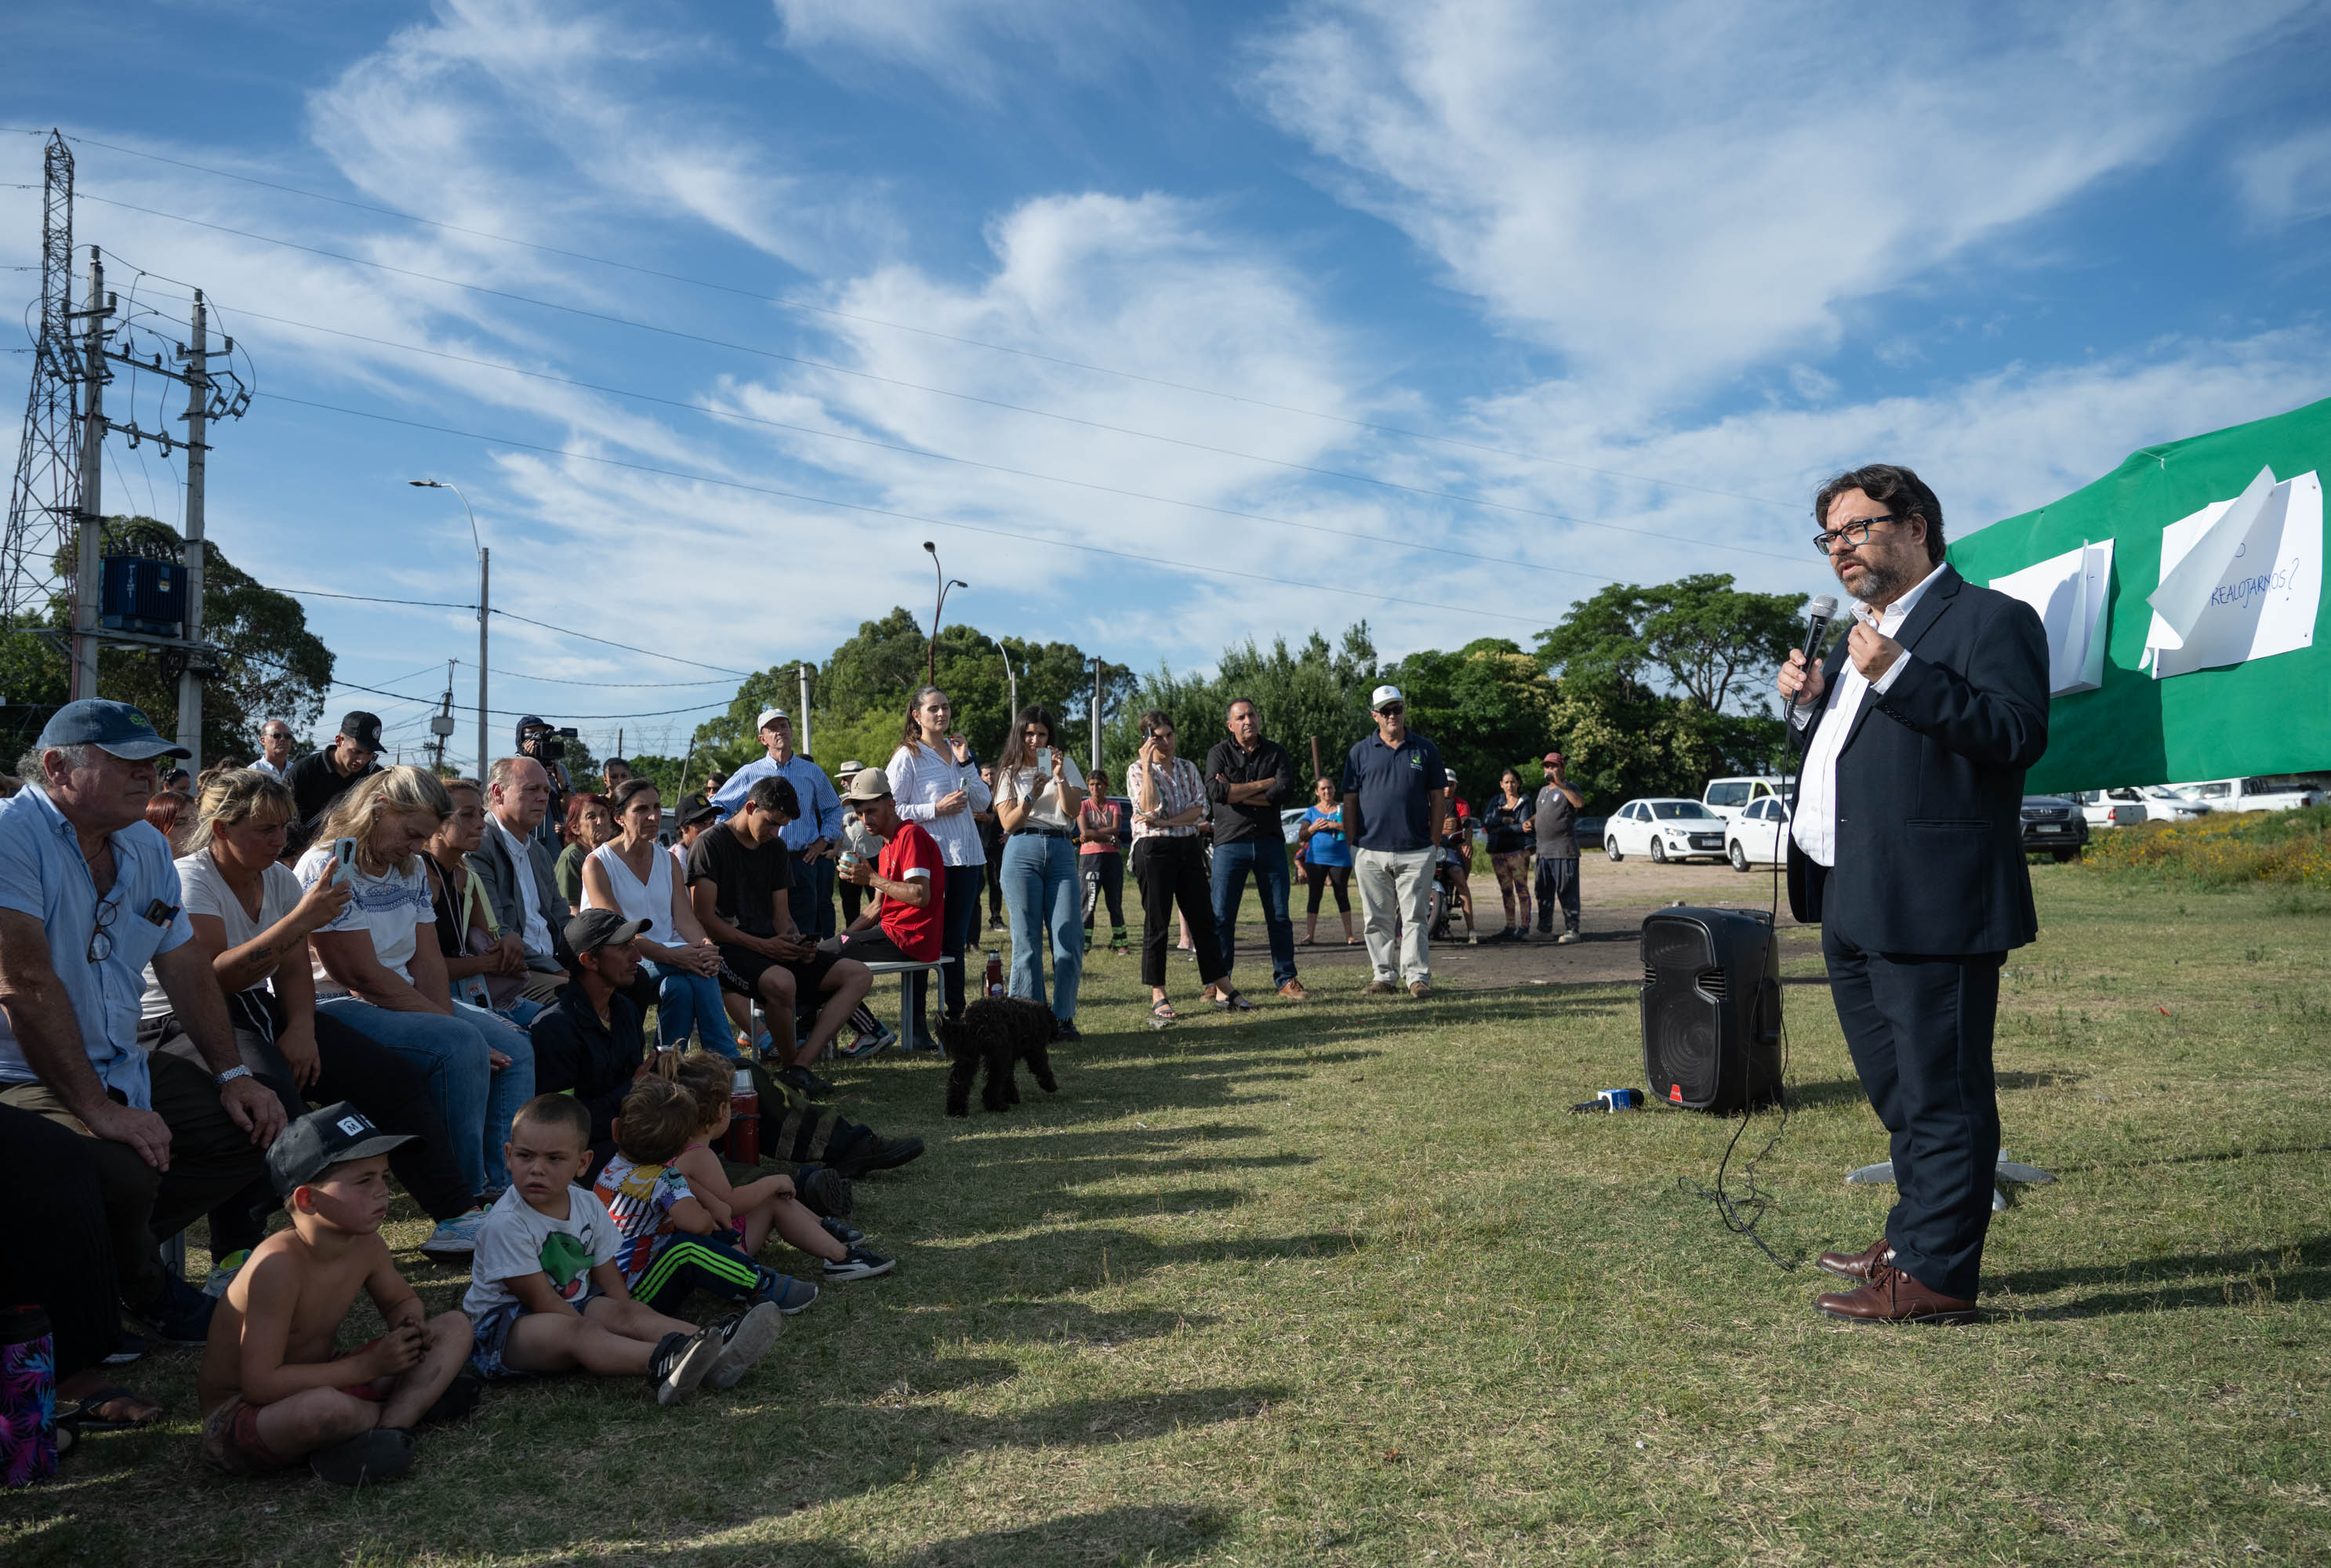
column 1345, row 1283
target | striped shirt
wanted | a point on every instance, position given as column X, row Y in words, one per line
column 919, row 777
column 1179, row 788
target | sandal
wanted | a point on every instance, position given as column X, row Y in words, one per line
column 1163, row 1012
column 84, row 1418
column 1236, row 1001
column 1307, row 942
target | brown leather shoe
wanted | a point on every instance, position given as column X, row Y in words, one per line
column 1893, row 1296
column 1421, row 989
column 1293, row 991
column 1379, row 988
column 1856, row 1265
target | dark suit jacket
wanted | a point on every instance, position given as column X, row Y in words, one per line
column 1930, row 784
column 491, row 861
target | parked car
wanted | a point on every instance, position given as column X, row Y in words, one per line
column 1290, row 824
column 1586, row 832
column 1758, row 836
column 1729, row 797
column 1665, row 829
column 2249, row 794
column 2053, row 824
column 2120, row 808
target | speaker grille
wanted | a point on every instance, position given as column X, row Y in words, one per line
column 1670, row 943
column 1710, row 1005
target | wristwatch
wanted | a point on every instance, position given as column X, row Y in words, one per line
column 230, row 1074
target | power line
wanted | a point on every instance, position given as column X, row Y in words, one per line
column 927, row 454
column 828, row 365
column 447, row 604
column 785, row 302
column 1050, row 541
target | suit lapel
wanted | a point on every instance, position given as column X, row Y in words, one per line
column 1931, row 604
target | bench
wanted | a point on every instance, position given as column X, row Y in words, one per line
column 904, row 969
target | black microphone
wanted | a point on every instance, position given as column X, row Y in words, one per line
column 1818, row 614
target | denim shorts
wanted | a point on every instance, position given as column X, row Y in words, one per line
column 491, row 1336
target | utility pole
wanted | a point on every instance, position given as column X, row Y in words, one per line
column 1012, row 681
column 88, row 515
column 442, row 725
column 43, row 507
column 198, row 403
column 485, row 561
column 1093, row 764
column 801, row 729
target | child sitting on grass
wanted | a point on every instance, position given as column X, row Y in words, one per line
column 273, row 1389
column 546, row 1294
column 759, row 1206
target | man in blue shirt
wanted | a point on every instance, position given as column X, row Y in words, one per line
column 1396, row 790
column 814, row 837
column 88, row 898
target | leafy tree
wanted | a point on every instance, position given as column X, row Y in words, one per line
column 1313, row 691
column 1711, row 642
column 272, row 666
column 1487, row 707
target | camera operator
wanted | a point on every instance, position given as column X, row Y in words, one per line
column 546, row 745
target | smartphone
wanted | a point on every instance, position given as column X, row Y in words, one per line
column 344, row 855
column 1043, row 761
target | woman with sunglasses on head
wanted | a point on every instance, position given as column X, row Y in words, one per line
column 1169, row 799
column 938, row 787
column 1038, row 792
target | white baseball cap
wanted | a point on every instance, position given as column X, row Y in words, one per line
column 769, row 713
column 1385, row 694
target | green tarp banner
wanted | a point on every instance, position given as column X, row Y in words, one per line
column 2266, row 715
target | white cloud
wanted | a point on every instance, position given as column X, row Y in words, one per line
column 1671, row 193
column 2289, row 181
column 972, row 47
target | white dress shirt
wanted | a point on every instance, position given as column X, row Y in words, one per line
column 534, row 935
column 1814, row 823
column 269, row 769
column 919, row 777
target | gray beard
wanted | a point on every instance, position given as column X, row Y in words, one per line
column 1881, row 584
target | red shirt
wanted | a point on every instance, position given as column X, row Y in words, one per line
column 914, row 931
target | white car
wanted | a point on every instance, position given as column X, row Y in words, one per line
column 1665, row 829
column 1758, row 836
column 2248, row 794
column 1729, row 797
column 2159, row 803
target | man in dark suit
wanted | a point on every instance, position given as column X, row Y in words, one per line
column 1907, row 847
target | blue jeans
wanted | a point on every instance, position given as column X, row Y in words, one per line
column 1266, row 859
column 1041, row 889
column 476, row 1098
column 685, row 1002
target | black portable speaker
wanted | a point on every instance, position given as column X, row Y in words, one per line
column 1711, row 1008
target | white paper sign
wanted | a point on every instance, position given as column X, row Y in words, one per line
column 2240, row 579
column 2070, row 592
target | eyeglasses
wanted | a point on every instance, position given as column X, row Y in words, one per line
column 1392, row 710
column 100, row 935
column 1856, row 532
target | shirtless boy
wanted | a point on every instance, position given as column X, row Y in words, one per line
column 273, row 1389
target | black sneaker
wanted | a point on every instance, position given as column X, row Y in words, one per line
column 889, row 1153
column 824, row 1191
column 859, row 1263
column 745, row 1338
column 184, row 1317
column 807, row 1082
column 681, row 1361
column 459, row 1400
column 1065, row 1029
column 842, row 1230
column 382, row 1454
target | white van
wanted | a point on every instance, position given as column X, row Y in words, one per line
column 1729, row 797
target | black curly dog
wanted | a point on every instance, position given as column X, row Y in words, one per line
column 1000, row 1031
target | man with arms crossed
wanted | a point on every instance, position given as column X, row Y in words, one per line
column 1906, row 848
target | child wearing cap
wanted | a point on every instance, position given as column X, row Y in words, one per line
column 273, row 1389
column 547, row 1295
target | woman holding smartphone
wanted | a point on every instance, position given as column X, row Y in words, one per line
column 1038, row 792
column 634, row 876
column 376, row 973
column 935, row 785
column 1169, row 799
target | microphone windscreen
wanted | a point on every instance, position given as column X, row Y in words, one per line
column 1823, row 608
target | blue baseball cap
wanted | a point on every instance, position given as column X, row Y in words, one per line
column 114, row 727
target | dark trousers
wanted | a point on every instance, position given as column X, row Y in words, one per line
column 60, row 1257
column 1172, row 872
column 691, row 1263
column 1339, row 878
column 875, row 946
column 212, row 1160
column 853, row 898
column 1267, row 858
column 958, row 917
column 1920, row 1029
column 1104, row 881
column 1557, row 883
column 812, row 899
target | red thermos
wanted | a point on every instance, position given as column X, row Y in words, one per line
column 995, row 975
column 745, row 1120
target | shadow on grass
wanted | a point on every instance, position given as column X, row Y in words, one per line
column 1153, row 1533
column 2168, row 1284
column 2207, row 1157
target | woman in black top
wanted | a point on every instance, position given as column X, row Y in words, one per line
column 1509, row 822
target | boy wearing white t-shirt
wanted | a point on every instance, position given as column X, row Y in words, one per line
column 545, row 1294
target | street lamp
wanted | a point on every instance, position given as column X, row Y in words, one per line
column 484, row 562
column 931, row 651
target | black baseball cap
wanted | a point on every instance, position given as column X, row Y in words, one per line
column 113, row 726
column 362, row 727
column 315, row 1143
column 701, row 812
column 596, row 928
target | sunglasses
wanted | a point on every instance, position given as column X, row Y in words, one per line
column 1393, row 709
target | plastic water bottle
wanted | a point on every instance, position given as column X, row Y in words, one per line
column 995, row 975
column 744, row 1119
column 28, row 1397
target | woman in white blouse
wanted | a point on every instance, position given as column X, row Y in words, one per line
column 1169, row 799
column 634, row 876
column 1038, row 791
column 935, row 785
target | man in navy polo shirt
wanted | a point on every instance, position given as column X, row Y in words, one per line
column 1396, row 790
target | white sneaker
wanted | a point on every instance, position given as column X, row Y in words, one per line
column 223, row 1271
column 456, row 1237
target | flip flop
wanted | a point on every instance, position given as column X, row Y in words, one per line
column 84, row 1416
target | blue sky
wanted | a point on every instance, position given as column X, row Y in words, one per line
column 1526, row 297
